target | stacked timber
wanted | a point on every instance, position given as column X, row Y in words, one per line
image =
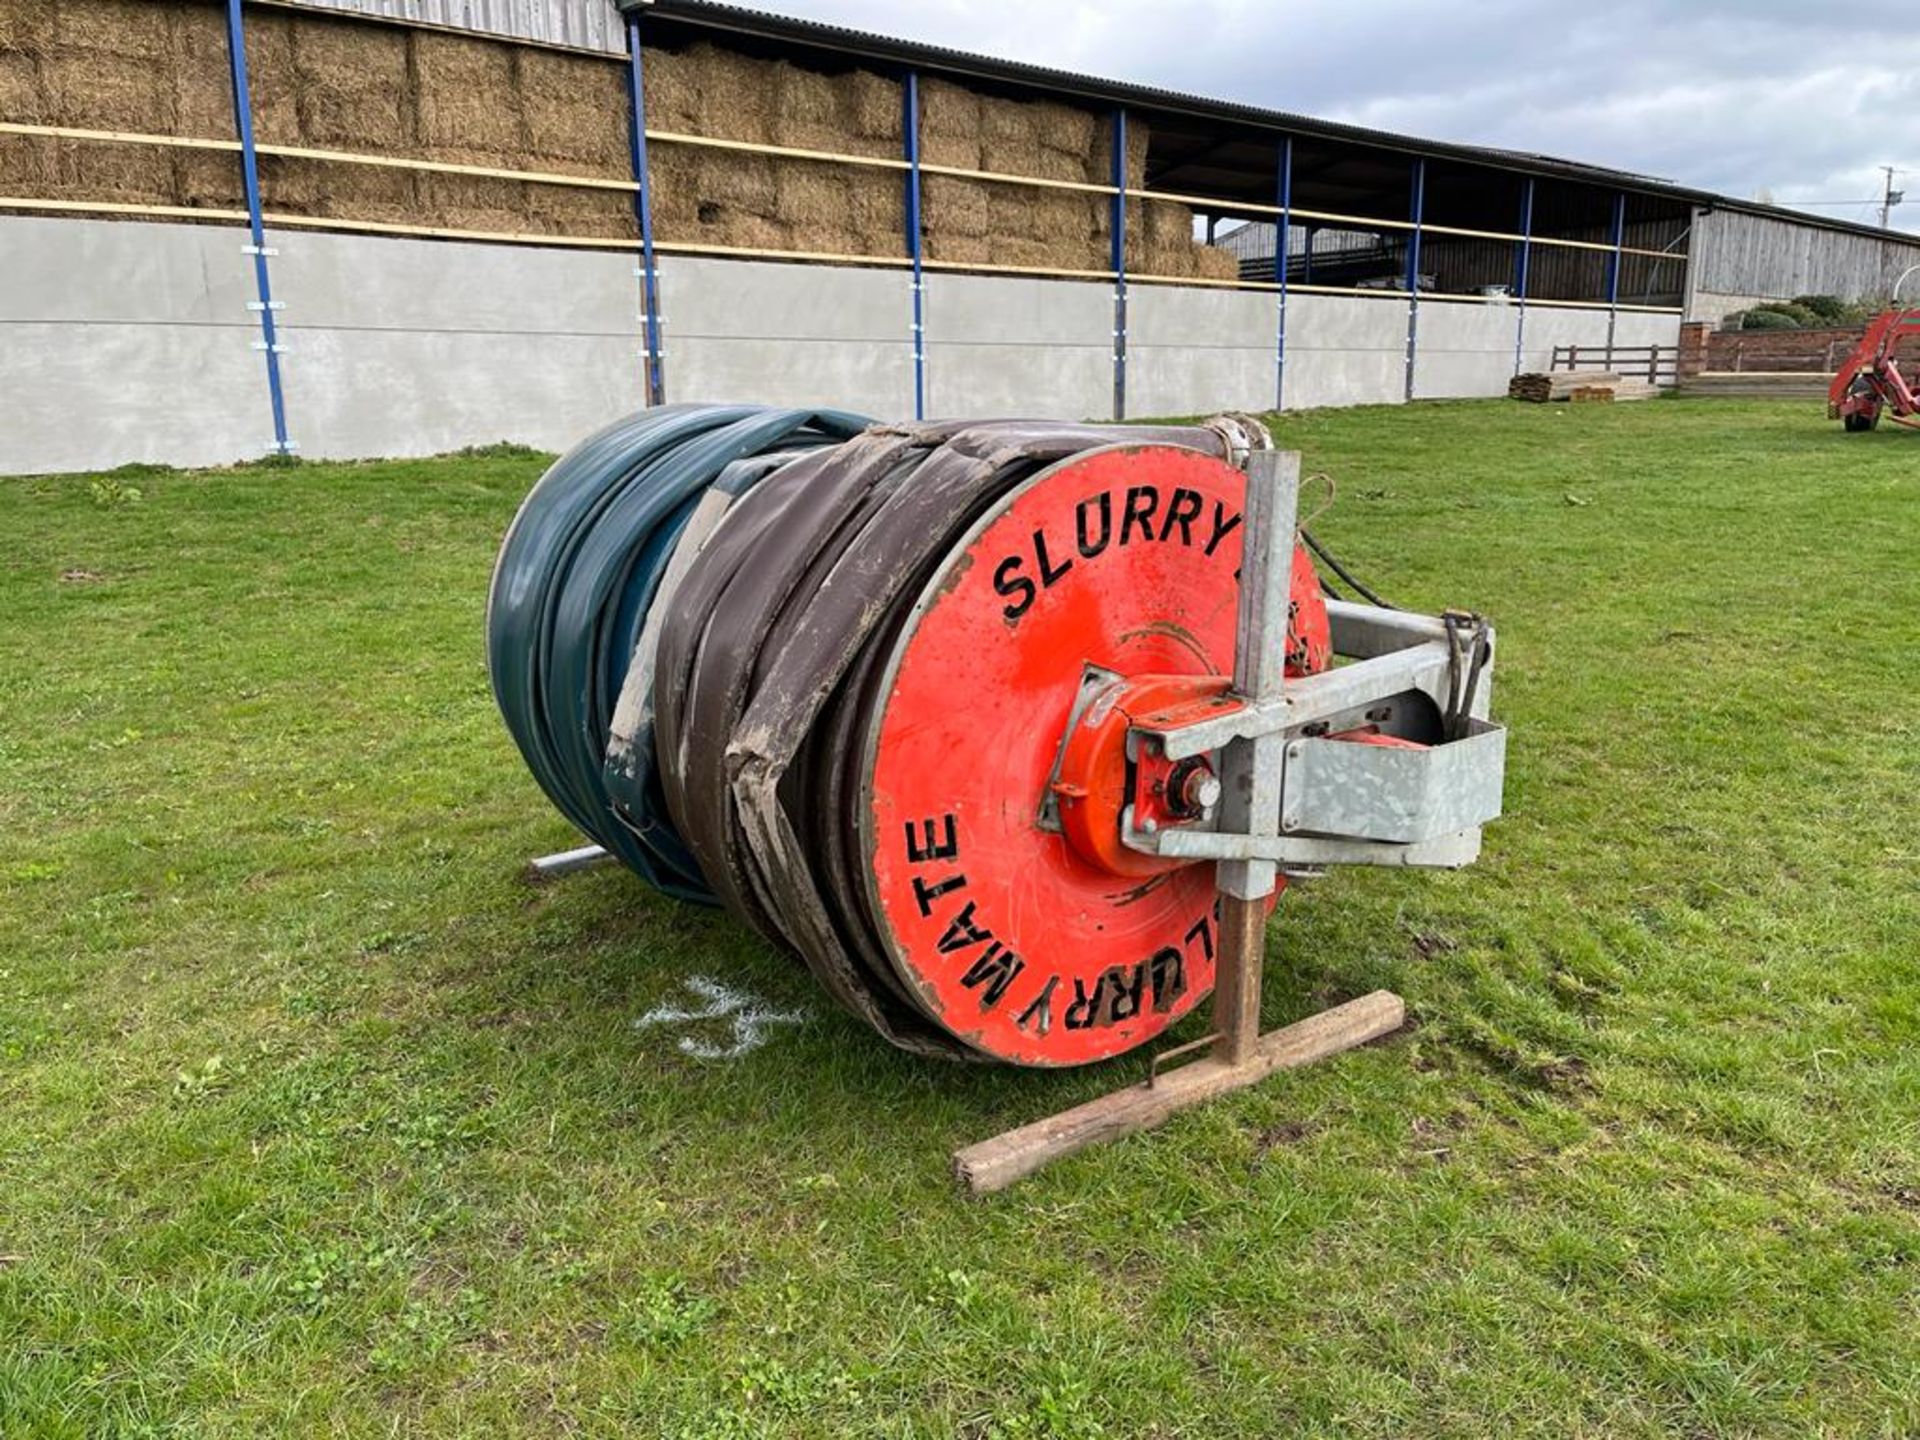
column 1603, row 385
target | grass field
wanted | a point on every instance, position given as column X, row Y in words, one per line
column 315, row 1118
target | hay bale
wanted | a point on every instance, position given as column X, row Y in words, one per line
column 554, row 211
column 130, row 29
column 947, row 109
column 26, row 26
column 673, row 189
column 273, row 81
column 30, row 166
column 1217, row 264
column 468, row 202
column 877, row 210
column 1137, row 140
column 21, row 97
column 721, row 225
column 108, row 92
column 812, row 197
column 954, row 207
column 209, row 178
column 1066, row 128
column 197, row 59
column 576, row 112
column 873, row 108
column 672, row 97
column 959, row 249
column 467, row 96
column 1166, row 224
column 351, row 85
column 748, row 183
column 735, row 95
column 1176, row 261
column 131, row 174
column 805, row 96
column 1021, row 157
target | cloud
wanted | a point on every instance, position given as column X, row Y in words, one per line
column 1743, row 98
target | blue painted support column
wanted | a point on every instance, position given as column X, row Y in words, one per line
column 915, row 248
column 1413, row 269
column 1282, row 242
column 257, row 247
column 1522, row 264
column 1118, row 229
column 649, row 274
column 1613, row 268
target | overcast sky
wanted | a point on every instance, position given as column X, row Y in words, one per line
column 1753, row 98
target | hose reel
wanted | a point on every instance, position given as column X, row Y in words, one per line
column 951, row 711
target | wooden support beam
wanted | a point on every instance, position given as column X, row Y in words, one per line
column 995, row 1164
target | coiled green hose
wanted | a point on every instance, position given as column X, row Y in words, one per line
column 570, row 595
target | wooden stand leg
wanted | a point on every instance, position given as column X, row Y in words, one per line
column 1236, row 978
column 995, row 1164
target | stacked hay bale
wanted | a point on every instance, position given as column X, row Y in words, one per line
column 126, row 65
column 736, row 200
column 326, row 82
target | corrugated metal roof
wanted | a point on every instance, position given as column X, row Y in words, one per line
column 598, row 25
column 866, row 44
column 577, row 24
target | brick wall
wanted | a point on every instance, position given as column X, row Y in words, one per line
column 1815, row 351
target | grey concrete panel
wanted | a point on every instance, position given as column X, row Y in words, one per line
column 1345, row 350
column 1066, row 382
column 1199, row 350
column 1196, row 380
column 1013, row 309
column 871, row 379
column 55, row 268
column 1465, row 348
column 384, row 283
column 95, row 395
column 752, row 299
column 1203, row 317
column 369, row 392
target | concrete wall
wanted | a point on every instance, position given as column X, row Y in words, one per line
column 133, row 342
column 1345, row 350
column 1006, row 345
column 806, row 335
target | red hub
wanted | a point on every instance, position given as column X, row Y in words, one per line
column 1050, row 943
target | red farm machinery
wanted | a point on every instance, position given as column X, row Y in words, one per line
column 1869, row 381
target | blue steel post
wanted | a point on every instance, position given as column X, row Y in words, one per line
column 1413, row 269
column 1613, row 268
column 911, row 128
column 643, row 210
column 1522, row 264
column 1282, row 244
column 250, row 173
column 1118, row 229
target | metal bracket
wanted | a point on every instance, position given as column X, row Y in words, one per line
column 1094, row 683
column 1393, row 655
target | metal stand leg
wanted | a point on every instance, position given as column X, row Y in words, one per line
column 552, row 867
column 1250, row 805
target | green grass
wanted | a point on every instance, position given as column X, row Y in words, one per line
column 315, row 1118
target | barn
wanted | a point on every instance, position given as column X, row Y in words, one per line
column 342, row 228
